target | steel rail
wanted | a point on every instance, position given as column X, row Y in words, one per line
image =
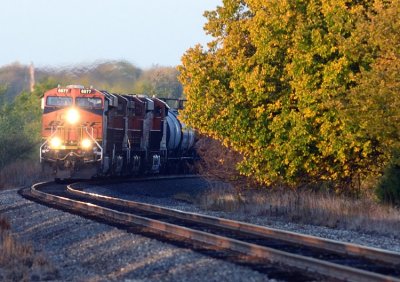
column 308, row 264
column 337, row 247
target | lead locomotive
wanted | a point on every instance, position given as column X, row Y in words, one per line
column 87, row 133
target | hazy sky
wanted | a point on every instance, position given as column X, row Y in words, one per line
column 65, row 32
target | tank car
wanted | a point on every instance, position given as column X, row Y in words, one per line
column 88, row 133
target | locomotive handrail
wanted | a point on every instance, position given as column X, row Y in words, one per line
column 54, row 133
column 97, row 144
column 44, row 143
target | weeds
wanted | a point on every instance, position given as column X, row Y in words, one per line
column 318, row 205
column 22, row 173
column 308, row 207
column 18, row 262
column 4, row 224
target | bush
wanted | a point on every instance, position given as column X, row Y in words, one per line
column 388, row 189
column 216, row 160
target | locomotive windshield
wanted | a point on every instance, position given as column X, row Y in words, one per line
column 85, row 102
column 58, row 101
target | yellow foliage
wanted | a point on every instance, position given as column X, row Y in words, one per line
column 276, row 82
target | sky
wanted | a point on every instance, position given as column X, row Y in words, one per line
column 68, row 32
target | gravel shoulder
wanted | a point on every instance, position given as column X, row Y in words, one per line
column 85, row 250
column 164, row 193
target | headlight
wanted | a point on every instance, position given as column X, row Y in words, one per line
column 55, row 143
column 72, row 116
column 86, row 144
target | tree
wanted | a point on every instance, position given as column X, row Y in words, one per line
column 16, row 77
column 20, row 125
column 113, row 76
column 375, row 103
column 160, row 81
column 273, row 83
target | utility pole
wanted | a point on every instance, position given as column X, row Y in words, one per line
column 31, row 77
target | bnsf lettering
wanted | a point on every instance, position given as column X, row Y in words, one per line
column 62, row 90
column 86, row 91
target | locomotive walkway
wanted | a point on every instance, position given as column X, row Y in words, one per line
column 313, row 256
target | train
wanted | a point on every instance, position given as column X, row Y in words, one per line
column 90, row 133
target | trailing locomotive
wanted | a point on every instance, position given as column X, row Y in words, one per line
column 87, row 132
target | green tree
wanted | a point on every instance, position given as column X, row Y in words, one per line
column 20, row 125
column 273, row 83
column 16, row 77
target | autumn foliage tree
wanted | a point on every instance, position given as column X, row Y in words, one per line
column 374, row 104
column 275, row 85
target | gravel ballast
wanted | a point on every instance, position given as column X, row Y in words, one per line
column 85, row 250
column 82, row 249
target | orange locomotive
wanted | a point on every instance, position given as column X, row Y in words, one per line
column 87, row 132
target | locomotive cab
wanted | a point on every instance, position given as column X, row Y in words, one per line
column 72, row 131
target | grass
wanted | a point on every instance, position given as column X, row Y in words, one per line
column 22, row 173
column 306, row 207
column 299, row 206
column 19, row 262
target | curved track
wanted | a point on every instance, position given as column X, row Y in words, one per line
column 302, row 253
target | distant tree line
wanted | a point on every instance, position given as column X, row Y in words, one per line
column 114, row 76
column 306, row 91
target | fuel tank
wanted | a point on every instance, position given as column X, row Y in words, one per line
column 179, row 136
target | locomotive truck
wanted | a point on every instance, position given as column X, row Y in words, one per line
column 88, row 133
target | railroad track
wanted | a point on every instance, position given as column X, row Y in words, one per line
column 301, row 253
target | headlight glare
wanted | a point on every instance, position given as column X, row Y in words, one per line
column 72, row 116
column 55, row 143
column 86, row 144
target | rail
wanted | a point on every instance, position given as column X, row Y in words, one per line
column 304, row 263
column 297, row 238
